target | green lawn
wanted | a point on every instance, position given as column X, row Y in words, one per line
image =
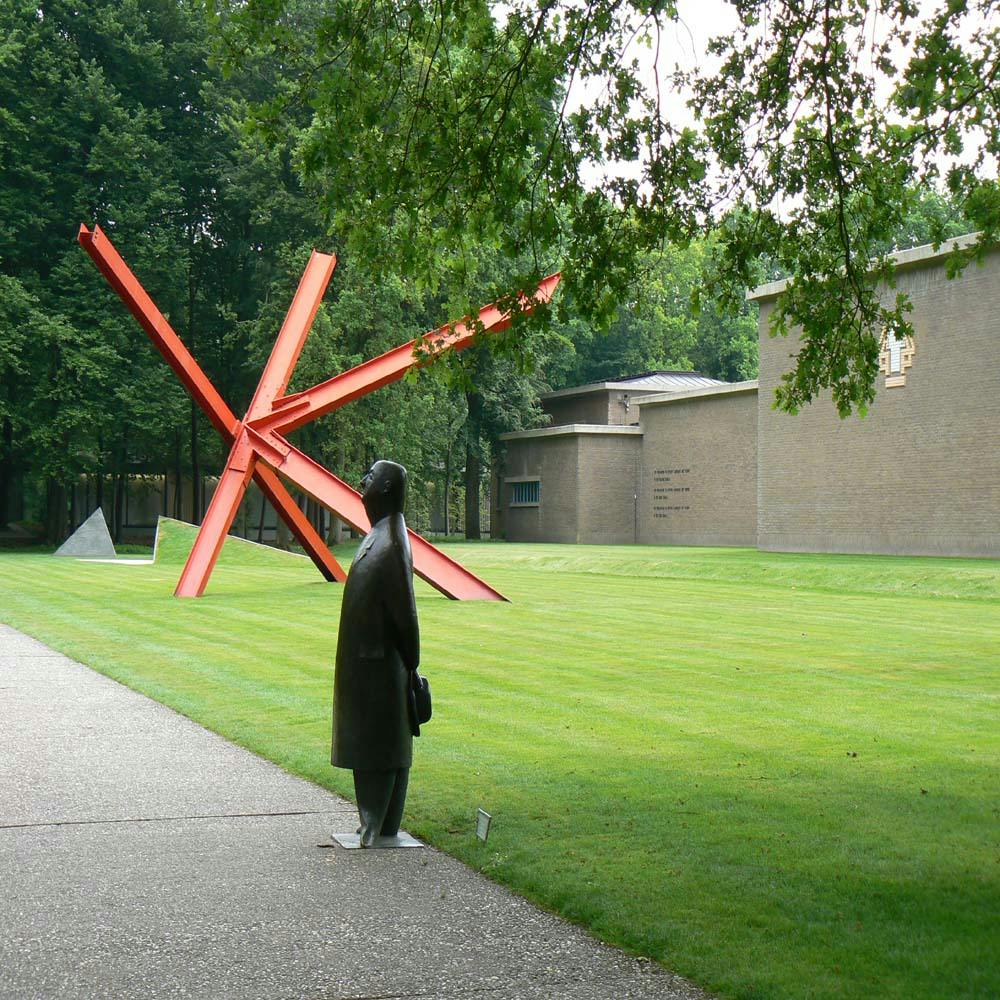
column 776, row 774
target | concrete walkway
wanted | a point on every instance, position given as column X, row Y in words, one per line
column 142, row 856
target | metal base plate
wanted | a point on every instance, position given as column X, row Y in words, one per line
column 352, row 841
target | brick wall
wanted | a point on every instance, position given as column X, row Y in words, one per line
column 698, row 481
column 589, row 408
column 553, row 460
column 608, row 470
column 586, row 486
column 921, row 473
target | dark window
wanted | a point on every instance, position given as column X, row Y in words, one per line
column 525, row 494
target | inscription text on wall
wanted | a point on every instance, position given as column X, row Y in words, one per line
column 670, row 489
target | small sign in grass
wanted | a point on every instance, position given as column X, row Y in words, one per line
column 483, row 822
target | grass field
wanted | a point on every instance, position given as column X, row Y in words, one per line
column 779, row 775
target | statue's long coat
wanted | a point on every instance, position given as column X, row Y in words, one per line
column 378, row 645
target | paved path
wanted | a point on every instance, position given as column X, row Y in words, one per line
column 142, row 856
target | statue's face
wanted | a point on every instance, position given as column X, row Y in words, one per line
column 376, row 479
column 382, row 487
column 366, row 480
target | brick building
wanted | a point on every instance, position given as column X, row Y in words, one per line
column 677, row 458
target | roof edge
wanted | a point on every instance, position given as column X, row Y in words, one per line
column 727, row 389
column 913, row 257
column 566, row 430
column 580, row 390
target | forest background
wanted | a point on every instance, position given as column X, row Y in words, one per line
column 118, row 113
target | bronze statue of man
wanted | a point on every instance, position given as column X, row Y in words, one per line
column 378, row 648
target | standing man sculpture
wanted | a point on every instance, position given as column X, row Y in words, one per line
column 378, row 649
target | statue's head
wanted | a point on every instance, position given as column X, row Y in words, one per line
column 383, row 490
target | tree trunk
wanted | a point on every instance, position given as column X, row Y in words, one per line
column 6, row 471
column 195, row 467
column 311, row 511
column 196, row 496
column 260, row 524
column 496, row 497
column 473, row 464
column 284, row 539
column 99, row 479
column 120, row 485
column 55, row 512
column 333, row 533
column 178, row 478
column 447, row 490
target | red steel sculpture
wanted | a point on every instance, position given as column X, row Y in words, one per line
column 258, row 449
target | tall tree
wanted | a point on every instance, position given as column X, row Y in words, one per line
column 96, row 102
column 113, row 113
column 663, row 325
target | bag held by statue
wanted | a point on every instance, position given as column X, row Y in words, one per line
column 420, row 702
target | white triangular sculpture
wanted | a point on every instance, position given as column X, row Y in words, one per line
column 92, row 539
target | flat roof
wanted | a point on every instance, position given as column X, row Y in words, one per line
column 564, row 430
column 726, row 389
column 664, row 381
column 913, row 257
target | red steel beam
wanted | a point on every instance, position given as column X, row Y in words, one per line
column 118, row 274
column 293, row 333
column 159, row 331
column 292, row 412
column 429, row 563
column 240, row 464
column 218, row 519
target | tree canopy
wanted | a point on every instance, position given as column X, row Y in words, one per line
column 803, row 136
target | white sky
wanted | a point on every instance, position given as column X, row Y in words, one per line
column 684, row 44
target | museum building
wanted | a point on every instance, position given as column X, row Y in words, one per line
column 676, row 458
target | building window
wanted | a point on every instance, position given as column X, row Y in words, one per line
column 525, row 493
